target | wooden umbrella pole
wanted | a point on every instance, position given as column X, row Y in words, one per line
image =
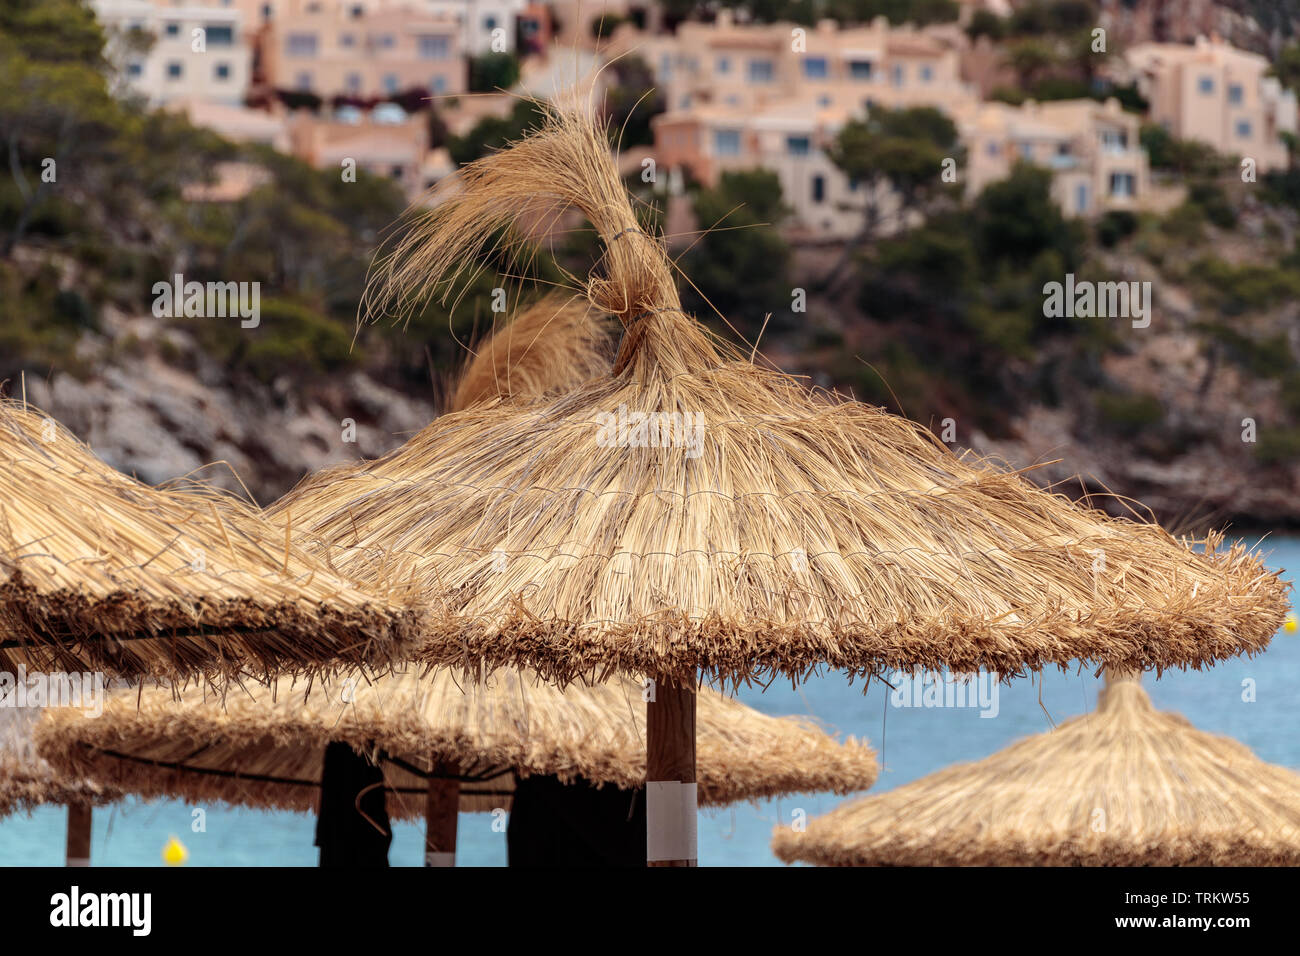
column 441, row 809
column 78, row 846
column 670, row 776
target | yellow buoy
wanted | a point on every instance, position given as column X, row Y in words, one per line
column 1290, row 625
column 174, row 853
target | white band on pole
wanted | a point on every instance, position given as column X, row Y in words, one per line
column 78, row 861
column 439, row 859
column 671, row 815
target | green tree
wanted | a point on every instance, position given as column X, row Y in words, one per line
column 1016, row 220
column 491, row 72
column 55, row 108
column 632, row 102
column 741, row 267
column 902, row 150
column 1287, row 66
column 494, row 132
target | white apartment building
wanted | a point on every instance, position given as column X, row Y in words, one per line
column 746, row 67
column 1091, row 148
column 1219, row 95
column 333, row 51
column 481, row 22
column 191, row 51
column 789, row 139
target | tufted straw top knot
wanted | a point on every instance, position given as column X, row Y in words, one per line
column 761, row 528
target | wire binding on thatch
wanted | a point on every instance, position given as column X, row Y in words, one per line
column 101, row 572
column 1126, row 785
column 759, row 528
column 27, row 781
column 264, row 747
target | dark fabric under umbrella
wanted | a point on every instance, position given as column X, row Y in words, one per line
column 554, row 824
column 352, row 829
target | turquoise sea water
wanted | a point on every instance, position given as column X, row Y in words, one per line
column 912, row 742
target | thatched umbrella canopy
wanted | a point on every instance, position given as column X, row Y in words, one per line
column 551, row 346
column 264, row 747
column 101, row 572
column 1126, row 785
column 692, row 512
column 27, row 781
column 797, row 530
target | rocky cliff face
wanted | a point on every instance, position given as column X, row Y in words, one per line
column 1250, row 24
column 162, row 418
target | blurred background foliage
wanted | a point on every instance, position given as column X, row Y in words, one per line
column 941, row 318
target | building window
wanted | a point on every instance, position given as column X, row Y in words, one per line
column 898, row 74
column 348, row 40
column 824, row 102
column 1206, row 85
column 489, row 23
column 798, row 145
column 267, row 10
column 816, row 68
column 435, row 46
column 723, row 64
column 1027, row 151
column 172, row 29
column 1123, row 185
column 438, row 84
column 1081, row 198
column 304, row 82
column 175, row 70
column 993, row 150
column 353, row 82
column 927, row 73
column 221, row 71
column 219, row 35
column 384, row 41
column 390, row 82
column 358, row 11
column 300, row 44
column 760, row 71
column 819, row 188
column 860, row 69
column 135, row 68
column 1235, row 94
column 1243, row 129
column 1114, row 140
column 726, row 142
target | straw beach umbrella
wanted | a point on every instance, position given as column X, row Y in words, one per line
column 101, row 572
column 1126, row 785
column 692, row 513
column 27, row 781
column 446, row 746
column 461, row 745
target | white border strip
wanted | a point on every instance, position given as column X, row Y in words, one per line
column 671, row 816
